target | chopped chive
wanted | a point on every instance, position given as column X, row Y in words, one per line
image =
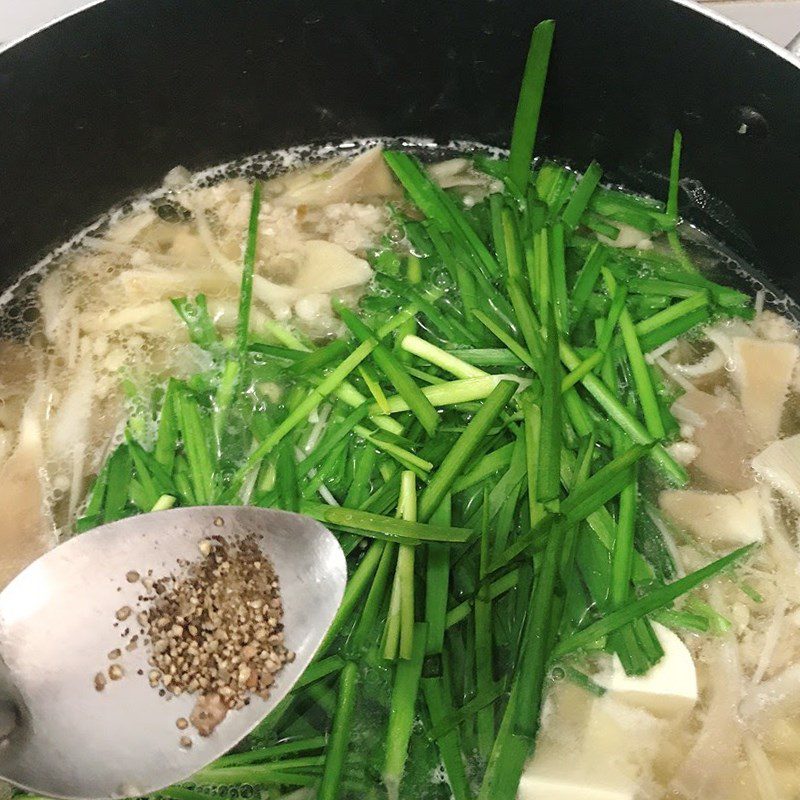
column 594, row 222
column 196, row 447
column 440, row 358
column 639, row 368
column 394, row 371
column 437, row 581
column 606, row 399
column 673, row 313
column 405, row 457
column 533, row 426
column 548, row 483
column 656, row 598
column 509, row 341
column 246, row 290
column 199, row 324
column 587, row 278
column 371, row 523
column 336, row 750
column 578, row 203
column 357, row 585
column 448, row 743
column 484, row 674
column 526, row 119
column 454, row 462
column 167, row 434
column 488, row 465
column 270, row 753
column 402, row 710
column 674, row 177
column 407, row 510
column 226, row 390
column 559, row 277
column 119, row 476
column 451, row 393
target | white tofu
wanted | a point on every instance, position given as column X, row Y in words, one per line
column 722, row 519
column 779, row 466
column 543, row 787
column 762, row 372
column 668, row 690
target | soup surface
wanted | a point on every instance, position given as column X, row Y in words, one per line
column 561, row 452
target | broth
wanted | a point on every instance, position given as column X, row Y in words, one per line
column 91, row 337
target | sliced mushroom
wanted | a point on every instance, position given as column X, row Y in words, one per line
column 714, row 518
column 328, row 267
column 762, row 374
column 779, row 466
column 366, row 177
column 27, row 530
column 723, row 439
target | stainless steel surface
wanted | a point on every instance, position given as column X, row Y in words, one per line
column 57, row 627
column 794, row 46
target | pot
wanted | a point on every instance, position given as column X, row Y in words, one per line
column 103, row 103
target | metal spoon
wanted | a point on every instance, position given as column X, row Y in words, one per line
column 62, row 737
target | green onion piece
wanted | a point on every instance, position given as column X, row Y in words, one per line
column 579, row 201
column 272, row 752
column 246, row 290
column 622, row 553
column 402, row 710
column 451, row 393
column 674, row 312
column 165, row 502
column 198, row 321
column 450, row 750
column 464, row 448
column 196, row 447
column 488, row 465
column 656, row 598
column 529, row 104
column 527, row 323
column 407, row 510
column 497, row 588
column 587, row 278
column 606, row 399
column 449, row 362
column 361, row 640
column 437, row 581
column 558, row 266
column 674, row 177
column 336, row 750
column 639, row 368
column 405, row 457
column 226, row 390
column 119, row 477
column 484, row 672
column 533, row 427
column 548, row 483
column 356, row 586
column 374, row 386
column 589, row 364
column 167, row 434
column 370, row 523
column 509, row 341
column 394, row 371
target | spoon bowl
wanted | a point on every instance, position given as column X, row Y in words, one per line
column 64, row 737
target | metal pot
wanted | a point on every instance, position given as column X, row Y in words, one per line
column 103, row 103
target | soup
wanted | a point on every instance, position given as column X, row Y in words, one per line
column 558, row 447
